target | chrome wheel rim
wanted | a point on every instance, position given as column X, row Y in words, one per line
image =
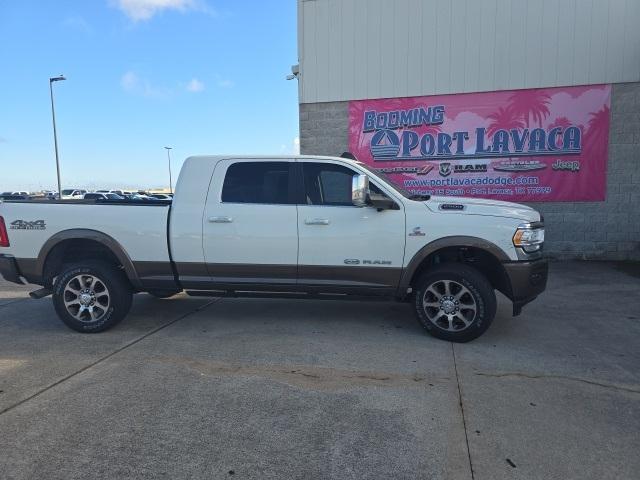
column 86, row 298
column 449, row 305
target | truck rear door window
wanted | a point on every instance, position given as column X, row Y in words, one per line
column 258, row 182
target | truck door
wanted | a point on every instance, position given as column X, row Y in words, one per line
column 250, row 231
column 343, row 246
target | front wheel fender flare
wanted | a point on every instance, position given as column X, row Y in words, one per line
column 444, row 242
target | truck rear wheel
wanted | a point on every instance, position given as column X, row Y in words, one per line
column 91, row 297
column 454, row 302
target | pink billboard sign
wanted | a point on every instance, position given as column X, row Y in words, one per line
column 537, row 145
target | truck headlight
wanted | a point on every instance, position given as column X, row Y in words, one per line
column 529, row 237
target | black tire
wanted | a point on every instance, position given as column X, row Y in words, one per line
column 463, row 314
column 163, row 293
column 109, row 308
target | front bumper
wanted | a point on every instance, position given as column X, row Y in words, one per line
column 526, row 281
column 9, row 269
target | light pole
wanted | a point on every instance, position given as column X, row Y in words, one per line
column 55, row 135
column 168, row 149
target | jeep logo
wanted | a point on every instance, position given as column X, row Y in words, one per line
column 572, row 166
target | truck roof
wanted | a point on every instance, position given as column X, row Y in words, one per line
column 210, row 158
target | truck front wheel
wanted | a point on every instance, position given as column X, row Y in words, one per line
column 454, row 302
column 91, row 297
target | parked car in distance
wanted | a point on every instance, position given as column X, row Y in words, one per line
column 140, row 198
column 132, row 196
column 50, row 194
column 295, row 226
column 21, row 193
column 160, row 196
column 102, row 196
column 116, row 191
column 73, row 193
column 13, row 196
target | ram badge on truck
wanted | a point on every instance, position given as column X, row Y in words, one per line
column 304, row 227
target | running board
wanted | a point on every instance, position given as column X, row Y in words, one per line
column 287, row 295
column 38, row 294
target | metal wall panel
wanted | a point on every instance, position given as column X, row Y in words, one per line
column 353, row 49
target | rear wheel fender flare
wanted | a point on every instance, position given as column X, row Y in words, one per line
column 93, row 235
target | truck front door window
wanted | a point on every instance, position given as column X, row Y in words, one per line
column 257, row 182
column 329, row 184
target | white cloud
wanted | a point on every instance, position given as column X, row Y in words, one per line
column 195, row 86
column 132, row 83
column 141, row 10
column 292, row 149
column 76, row 22
column 129, row 81
column 224, row 82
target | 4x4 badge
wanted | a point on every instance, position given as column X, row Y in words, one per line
column 417, row 232
column 25, row 225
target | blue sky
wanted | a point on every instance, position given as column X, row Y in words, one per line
column 202, row 76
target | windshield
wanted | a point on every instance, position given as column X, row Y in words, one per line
column 394, row 185
column 67, row 192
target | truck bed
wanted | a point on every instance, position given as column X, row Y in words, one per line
column 139, row 227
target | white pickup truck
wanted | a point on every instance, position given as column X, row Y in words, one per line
column 300, row 227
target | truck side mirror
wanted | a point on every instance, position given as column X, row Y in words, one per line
column 360, row 190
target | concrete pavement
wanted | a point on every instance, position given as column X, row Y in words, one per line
column 237, row 388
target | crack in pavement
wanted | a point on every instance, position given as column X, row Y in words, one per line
column 309, row 377
column 560, row 377
column 464, row 420
column 11, row 302
column 109, row 355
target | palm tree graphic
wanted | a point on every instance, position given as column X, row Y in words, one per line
column 562, row 122
column 596, row 138
column 530, row 105
column 504, row 119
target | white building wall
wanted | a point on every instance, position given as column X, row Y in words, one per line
column 354, row 49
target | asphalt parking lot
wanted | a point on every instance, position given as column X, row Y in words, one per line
column 237, row 388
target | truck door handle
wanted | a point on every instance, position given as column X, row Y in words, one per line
column 222, row 219
column 316, row 221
